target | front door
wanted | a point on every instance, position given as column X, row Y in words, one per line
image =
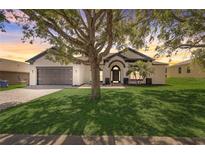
column 116, row 75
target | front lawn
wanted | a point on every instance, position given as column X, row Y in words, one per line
column 177, row 109
column 12, row 87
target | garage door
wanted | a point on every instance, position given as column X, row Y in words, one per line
column 55, row 76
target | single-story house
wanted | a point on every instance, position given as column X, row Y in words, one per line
column 14, row 72
column 186, row 68
column 113, row 67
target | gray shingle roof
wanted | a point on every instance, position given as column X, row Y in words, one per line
column 131, row 57
column 130, row 54
column 182, row 63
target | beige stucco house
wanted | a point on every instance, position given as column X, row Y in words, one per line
column 14, row 71
column 186, row 68
column 113, row 70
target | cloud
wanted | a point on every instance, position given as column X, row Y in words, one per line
column 175, row 58
column 11, row 46
column 21, row 51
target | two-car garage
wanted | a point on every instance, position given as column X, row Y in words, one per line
column 55, row 75
column 47, row 72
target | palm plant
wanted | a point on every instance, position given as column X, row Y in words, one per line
column 143, row 68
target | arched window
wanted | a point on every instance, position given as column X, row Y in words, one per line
column 179, row 70
column 188, row 69
column 115, row 68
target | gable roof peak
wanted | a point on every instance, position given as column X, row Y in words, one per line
column 137, row 55
column 33, row 59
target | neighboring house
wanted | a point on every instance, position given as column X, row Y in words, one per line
column 186, row 69
column 14, row 72
column 113, row 70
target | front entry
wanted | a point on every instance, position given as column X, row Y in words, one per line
column 115, row 74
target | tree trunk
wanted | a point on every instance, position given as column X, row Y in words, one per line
column 95, row 73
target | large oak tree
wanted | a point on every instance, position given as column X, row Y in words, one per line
column 92, row 33
column 89, row 33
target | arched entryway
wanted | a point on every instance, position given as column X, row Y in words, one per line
column 115, row 74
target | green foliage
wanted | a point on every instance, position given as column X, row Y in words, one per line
column 199, row 57
column 90, row 33
column 182, row 29
column 176, row 30
column 2, row 20
column 176, row 110
column 143, row 68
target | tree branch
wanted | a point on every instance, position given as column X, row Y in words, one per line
column 98, row 14
column 191, row 46
column 83, row 36
column 110, row 34
column 98, row 24
column 52, row 24
column 83, row 22
column 56, row 53
column 177, row 18
column 61, row 42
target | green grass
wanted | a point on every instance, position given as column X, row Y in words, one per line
column 177, row 109
column 13, row 87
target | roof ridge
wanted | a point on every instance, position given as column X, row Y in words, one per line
column 182, row 62
column 12, row 60
column 34, row 58
column 137, row 52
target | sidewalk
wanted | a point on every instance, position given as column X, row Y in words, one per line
column 8, row 139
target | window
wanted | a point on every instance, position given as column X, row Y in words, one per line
column 179, row 70
column 165, row 70
column 115, row 68
column 188, row 69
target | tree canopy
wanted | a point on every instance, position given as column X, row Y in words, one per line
column 177, row 30
column 74, row 30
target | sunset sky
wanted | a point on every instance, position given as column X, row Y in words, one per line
column 11, row 47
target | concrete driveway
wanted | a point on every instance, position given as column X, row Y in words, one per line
column 18, row 96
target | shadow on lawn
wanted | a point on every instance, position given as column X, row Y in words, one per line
column 183, row 111
column 119, row 112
